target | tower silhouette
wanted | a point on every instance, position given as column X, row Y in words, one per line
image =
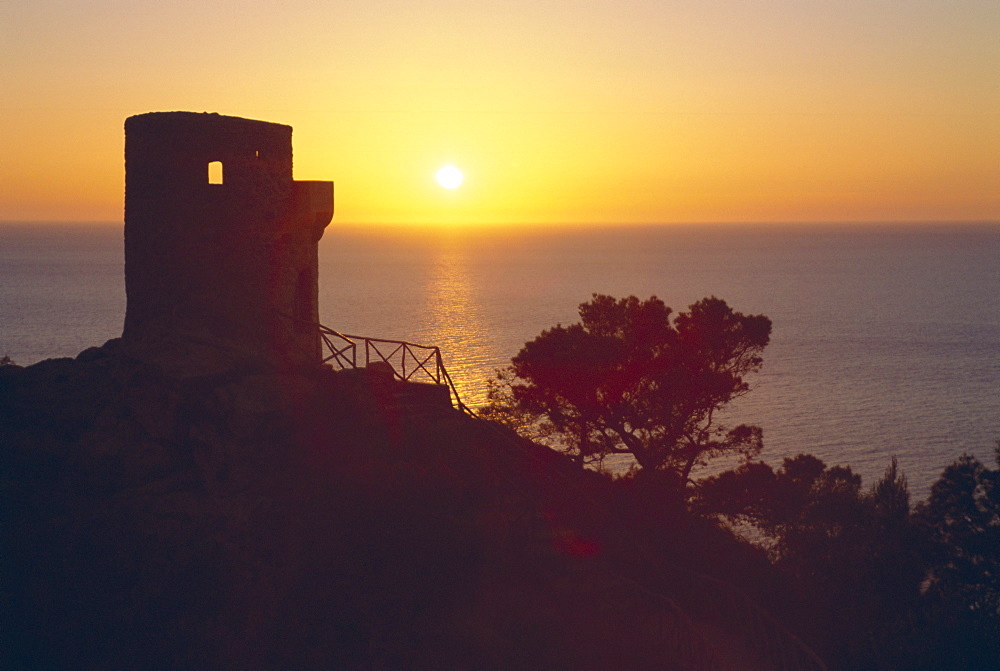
column 221, row 244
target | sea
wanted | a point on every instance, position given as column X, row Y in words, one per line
column 886, row 339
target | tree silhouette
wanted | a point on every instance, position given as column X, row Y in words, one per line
column 963, row 515
column 627, row 379
column 962, row 518
column 853, row 557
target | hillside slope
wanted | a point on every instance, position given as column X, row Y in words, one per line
column 320, row 519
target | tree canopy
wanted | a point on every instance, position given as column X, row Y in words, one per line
column 962, row 517
column 628, row 379
column 884, row 586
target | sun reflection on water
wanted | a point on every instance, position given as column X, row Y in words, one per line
column 455, row 321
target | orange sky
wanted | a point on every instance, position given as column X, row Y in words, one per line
column 556, row 111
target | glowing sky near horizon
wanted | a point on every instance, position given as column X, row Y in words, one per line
column 556, row 111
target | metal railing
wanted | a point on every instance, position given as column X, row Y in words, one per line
column 408, row 361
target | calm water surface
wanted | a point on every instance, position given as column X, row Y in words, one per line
column 886, row 338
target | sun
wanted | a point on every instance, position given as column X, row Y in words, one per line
column 449, row 177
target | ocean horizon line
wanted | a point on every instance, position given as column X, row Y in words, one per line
column 986, row 223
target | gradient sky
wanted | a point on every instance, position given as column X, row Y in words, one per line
column 556, row 111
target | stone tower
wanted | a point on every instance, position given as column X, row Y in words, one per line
column 221, row 244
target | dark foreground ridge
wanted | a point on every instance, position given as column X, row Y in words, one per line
column 319, row 519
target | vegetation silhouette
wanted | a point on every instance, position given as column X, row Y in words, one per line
column 961, row 519
column 627, row 379
column 851, row 555
column 877, row 583
column 869, row 580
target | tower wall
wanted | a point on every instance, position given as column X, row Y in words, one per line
column 219, row 272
